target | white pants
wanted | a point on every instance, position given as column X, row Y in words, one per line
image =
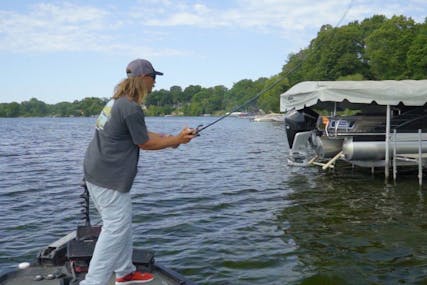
column 113, row 250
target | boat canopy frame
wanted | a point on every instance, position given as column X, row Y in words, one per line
column 355, row 93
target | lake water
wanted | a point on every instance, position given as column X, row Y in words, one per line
column 224, row 209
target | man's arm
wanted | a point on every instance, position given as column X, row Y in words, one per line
column 159, row 141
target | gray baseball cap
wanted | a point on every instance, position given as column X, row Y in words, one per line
column 140, row 67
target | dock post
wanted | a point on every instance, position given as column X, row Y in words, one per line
column 420, row 159
column 387, row 141
column 394, row 156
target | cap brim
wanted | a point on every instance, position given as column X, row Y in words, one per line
column 158, row 72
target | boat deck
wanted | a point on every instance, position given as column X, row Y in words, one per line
column 28, row 277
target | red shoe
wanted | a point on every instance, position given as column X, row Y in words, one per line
column 135, row 278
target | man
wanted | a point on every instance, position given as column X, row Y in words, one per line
column 110, row 166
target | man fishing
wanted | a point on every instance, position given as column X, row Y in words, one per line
column 110, row 166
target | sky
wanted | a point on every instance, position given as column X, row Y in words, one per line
column 68, row 50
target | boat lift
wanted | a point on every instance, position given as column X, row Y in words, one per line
column 404, row 148
column 412, row 158
column 409, row 157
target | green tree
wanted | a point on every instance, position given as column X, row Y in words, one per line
column 62, row 109
column 175, row 93
column 315, row 64
column 335, row 52
column 417, row 54
column 189, row 92
column 10, row 110
column 215, row 100
column 388, row 46
column 241, row 92
column 91, row 106
column 33, row 108
column 159, row 98
column 292, row 70
column 369, row 25
column 269, row 101
column 199, row 101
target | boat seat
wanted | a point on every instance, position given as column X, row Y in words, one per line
column 88, row 232
column 83, row 250
column 80, row 249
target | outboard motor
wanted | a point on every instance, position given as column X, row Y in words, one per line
column 299, row 121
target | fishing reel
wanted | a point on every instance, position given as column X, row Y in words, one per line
column 197, row 130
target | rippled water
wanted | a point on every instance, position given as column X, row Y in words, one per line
column 224, row 209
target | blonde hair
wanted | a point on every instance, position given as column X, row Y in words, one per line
column 133, row 87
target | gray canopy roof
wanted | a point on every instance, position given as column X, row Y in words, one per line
column 387, row 92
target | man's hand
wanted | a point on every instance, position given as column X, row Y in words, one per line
column 186, row 135
column 161, row 141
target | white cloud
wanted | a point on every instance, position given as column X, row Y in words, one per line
column 78, row 27
column 70, row 28
column 277, row 14
column 280, row 15
column 68, row 14
column 48, row 27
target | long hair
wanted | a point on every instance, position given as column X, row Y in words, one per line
column 133, row 88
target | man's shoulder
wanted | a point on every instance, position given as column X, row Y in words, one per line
column 127, row 106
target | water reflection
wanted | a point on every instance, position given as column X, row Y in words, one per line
column 351, row 229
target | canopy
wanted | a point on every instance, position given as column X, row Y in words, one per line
column 387, row 92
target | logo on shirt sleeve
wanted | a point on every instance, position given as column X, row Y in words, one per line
column 105, row 115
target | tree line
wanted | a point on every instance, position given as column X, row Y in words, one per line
column 37, row 108
column 376, row 48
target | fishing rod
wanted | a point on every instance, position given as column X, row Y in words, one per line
column 200, row 128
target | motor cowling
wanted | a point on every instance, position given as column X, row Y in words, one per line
column 299, row 121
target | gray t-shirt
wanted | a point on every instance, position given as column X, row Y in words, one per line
column 112, row 156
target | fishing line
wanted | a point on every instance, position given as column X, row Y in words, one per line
column 200, row 128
